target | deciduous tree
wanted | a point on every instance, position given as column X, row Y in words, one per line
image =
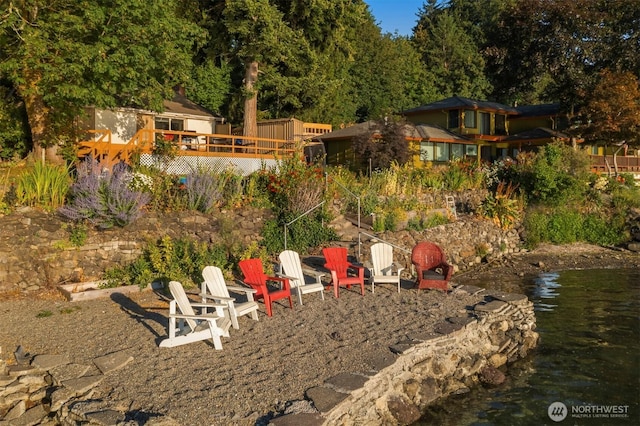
column 613, row 111
column 384, row 143
column 63, row 55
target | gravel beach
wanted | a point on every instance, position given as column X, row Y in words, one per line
column 265, row 365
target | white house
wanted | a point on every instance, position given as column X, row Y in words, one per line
column 180, row 114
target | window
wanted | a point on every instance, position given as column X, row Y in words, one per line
column 426, row 151
column 457, row 150
column 485, row 123
column 471, row 150
column 454, row 120
column 501, row 127
column 164, row 123
column 442, row 152
column 469, row 119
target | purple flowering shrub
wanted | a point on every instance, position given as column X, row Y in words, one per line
column 104, row 198
column 204, row 189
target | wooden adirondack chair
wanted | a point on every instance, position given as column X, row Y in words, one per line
column 384, row 270
column 292, row 269
column 215, row 288
column 431, row 266
column 343, row 272
column 255, row 277
column 185, row 326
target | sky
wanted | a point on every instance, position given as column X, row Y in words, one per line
column 392, row 15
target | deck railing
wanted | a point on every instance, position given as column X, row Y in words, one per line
column 625, row 164
column 185, row 144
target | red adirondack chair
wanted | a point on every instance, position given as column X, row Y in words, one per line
column 343, row 273
column 431, row 266
column 255, row 277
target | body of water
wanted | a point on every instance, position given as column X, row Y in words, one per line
column 586, row 369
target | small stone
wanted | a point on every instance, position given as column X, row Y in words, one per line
column 106, row 417
column 22, row 356
column 403, row 411
column 346, row 382
column 492, row 376
column 497, row 360
column 112, row 361
column 47, row 362
column 324, row 399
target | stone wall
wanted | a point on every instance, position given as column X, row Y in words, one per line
column 36, row 252
column 52, row 390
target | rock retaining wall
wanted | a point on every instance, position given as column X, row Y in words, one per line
column 36, row 252
column 461, row 352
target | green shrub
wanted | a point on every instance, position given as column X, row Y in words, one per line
column 565, row 226
column 503, row 206
column 255, row 251
column 604, row 231
column 169, row 193
column 557, row 175
column 391, row 220
column 77, row 234
column 535, row 224
column 167, row 260
column 420, row 223
column 252, row 190
column 454, row 177
column 305, row 233
column 43, row 185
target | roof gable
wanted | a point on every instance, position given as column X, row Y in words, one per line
column 537, row 133
column 411, row 131
column 543, row 110
column 458, row 102
column 181, row 105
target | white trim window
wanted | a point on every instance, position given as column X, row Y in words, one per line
column 166, row 123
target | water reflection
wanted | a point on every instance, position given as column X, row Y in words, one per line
column 589, row 355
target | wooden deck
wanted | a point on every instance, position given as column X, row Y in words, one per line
column 184, row 144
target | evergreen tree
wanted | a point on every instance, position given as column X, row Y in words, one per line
column 452, row 57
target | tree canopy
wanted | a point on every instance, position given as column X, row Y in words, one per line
column 612, row 114
column 61, row 56
column 315, row 60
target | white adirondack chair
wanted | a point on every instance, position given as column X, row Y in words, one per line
column 185, row 326
column 215, row 288
column 291, row 268
column 384, row 269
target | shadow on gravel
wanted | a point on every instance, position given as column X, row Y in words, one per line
column 140, row 314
